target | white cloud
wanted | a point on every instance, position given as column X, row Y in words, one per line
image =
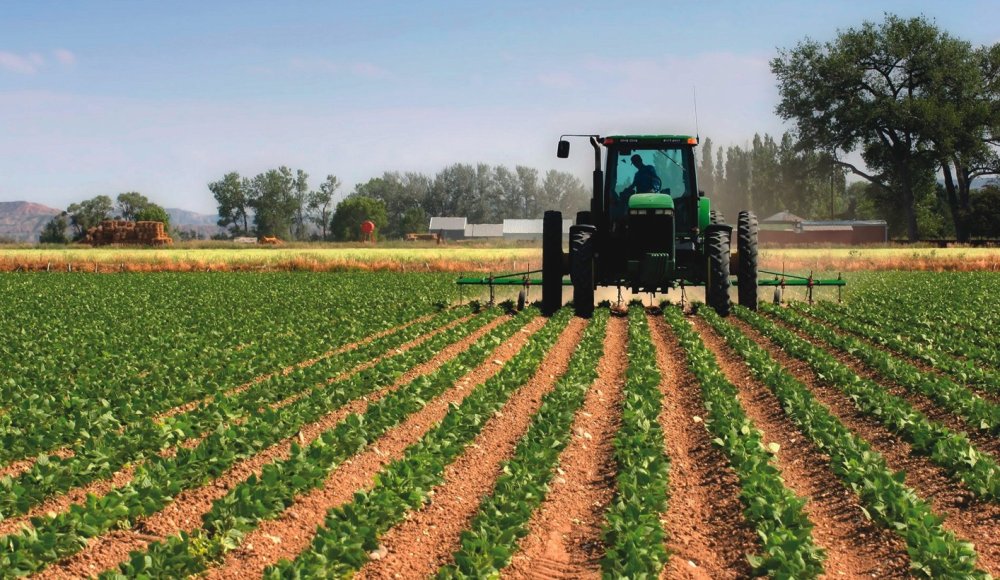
column 22, row 64
column 64, row 56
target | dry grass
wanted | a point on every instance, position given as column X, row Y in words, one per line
column 452, row 258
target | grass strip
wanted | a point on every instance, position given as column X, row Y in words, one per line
column 934, row 551
column 784, row 529
column 352, row 530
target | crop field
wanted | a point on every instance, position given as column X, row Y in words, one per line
column 301, row 425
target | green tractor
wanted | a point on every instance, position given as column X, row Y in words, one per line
column 649, row 229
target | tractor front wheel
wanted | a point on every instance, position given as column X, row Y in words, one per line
column 552, row 262
column 581, row 257
column 717, row 275
column 746, row 248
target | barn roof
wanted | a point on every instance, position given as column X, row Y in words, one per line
column 447, row 223
column 519, row 226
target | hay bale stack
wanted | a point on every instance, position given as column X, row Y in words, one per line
column 145, row 233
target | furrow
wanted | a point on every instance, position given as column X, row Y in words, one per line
column 564, row 534
column 983, row 440
column 424, row 542
column 707, row 534
column 854, row 545
column 293, row 531
column 201, row 469
column 970, row 518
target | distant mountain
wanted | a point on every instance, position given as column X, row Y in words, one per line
column 204, row 224
column 183, row 217
column 23, row 221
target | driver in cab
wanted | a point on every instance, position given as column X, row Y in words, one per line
column 645, row 181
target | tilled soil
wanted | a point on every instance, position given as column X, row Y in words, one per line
column 185, row 512
column 855, row 546
column 427, row 539
column 984, row 441
column 564, row 534
column 707, row 534
column 971, row 519
column 292, row 532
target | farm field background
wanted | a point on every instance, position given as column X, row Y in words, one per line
column 301, row 424
column 454, row 258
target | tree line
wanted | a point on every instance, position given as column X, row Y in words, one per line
column 279, row 202
column 73, row 223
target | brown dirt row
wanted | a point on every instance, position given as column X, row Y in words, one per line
column 292, row 532
column 969, row 518
column 564, row 533
column 984, row 441
column 61, row 502
column 428, row 538
column 855, row 546
column 185, row 512
column 707, row 534
column 919, row 364
column 15, row 468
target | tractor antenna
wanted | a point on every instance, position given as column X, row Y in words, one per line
column 694, row 91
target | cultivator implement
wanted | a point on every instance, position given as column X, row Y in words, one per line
column 779, row 281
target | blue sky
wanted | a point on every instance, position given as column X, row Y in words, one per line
column 104, row 97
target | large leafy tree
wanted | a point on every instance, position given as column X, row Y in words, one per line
column 874, row 90
column 350, row 213
column 134, row 206
column 965, row 130
column 272, row 197
column 88, row 214
column 320, row 202
column 233, row 201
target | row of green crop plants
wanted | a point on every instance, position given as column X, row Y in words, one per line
column 161, row 478
column 84, row 356
column 958, row 313
column 933, row 550
column 104, row 454
column 633, row 534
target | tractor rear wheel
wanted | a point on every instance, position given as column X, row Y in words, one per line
column 717, row 275
column 552, row 262
column 746, row 248
column 581, row 259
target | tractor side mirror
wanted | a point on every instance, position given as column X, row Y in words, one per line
column 563, row 151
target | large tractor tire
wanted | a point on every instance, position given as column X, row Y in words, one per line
column 717, row 275
column 746, row 248
column 716, row 217
column 552, row 262
column 581, row 269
